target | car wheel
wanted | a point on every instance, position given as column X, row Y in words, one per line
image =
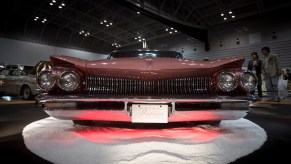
column 26, row 93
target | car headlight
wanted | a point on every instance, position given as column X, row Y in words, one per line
column 227, row 81
column 69, row 81
column 46, row 80
column 248, row 81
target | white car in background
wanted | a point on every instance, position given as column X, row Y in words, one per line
column 20, row 79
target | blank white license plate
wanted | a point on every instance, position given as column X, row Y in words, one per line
column 149, row 113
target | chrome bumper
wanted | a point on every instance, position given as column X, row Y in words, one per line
column 69, row 108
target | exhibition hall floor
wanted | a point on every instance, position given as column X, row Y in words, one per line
column 29, row 135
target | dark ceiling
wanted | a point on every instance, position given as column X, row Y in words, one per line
column 64, row 25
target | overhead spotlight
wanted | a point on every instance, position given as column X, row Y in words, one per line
column 44, row 20
column 171, row 30
column 138, row 12
column 222, row 14
column 225, row 18
column 135, row 38
column 139, row 37
column 230, row 12
column 107, row 23
column 85, row 33
column 115, row 45
column 139, row 40
column 59, row 5
column 233, row 16
column 143, row 39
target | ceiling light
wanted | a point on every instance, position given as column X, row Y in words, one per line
column 171, row 30
column 135, row 38
column 60, row 7
column 230, row 12
column 222, row 14
column 233, row 16
column 106, row 23
column 138, row 12
column 51, row 4
column 225, row 18
column 139, row 40
column 143, row 39
column 85, row 33
column 54, row 1
column 63, row 4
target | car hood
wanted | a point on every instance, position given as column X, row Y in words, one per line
column 149, row 67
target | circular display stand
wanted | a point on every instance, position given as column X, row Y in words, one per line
column 60, row 141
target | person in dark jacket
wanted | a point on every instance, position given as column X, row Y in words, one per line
column 255, row 65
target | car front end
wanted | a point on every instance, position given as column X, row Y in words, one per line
column 146, row 90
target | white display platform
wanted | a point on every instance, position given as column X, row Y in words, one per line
column 59, row 141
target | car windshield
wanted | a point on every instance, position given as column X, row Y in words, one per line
column 24, row 70
column 145, row 54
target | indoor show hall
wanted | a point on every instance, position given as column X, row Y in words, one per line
column 130, row 81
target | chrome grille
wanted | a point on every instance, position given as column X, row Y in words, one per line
column 135, row 87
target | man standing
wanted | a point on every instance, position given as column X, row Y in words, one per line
column 271, row 70
column 255, row 65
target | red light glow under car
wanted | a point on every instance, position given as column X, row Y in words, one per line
column 197, row 134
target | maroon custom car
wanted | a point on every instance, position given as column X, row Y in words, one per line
column 142, row 86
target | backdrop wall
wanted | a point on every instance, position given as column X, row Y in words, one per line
column 21, row 52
